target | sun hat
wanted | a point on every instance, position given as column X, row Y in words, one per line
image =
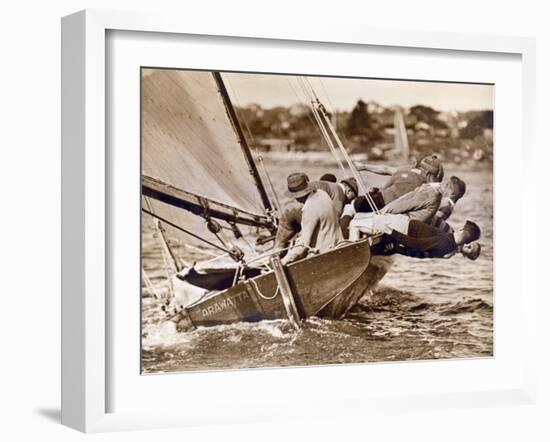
column 298, row 185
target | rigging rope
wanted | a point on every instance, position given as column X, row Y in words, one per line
column 175, row 226
column 321, row 126
column 342, row 134
column 169, row 259
column 352, row 167
column 320, row 110
column 149, row 284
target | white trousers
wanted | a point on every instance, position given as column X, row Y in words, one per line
column 373, row 224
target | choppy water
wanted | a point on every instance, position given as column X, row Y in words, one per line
column 423, row 309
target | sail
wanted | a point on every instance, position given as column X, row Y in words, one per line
column 401, row 140
column 190, row 147
column 188, row 141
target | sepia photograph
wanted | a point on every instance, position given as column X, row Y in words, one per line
column 292, row 220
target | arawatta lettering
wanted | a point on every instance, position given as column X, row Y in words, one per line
column 224, row 304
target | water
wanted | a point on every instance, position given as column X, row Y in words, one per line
column 423, row 309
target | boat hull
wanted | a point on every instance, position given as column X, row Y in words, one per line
column 364, row 285
column 320, row 283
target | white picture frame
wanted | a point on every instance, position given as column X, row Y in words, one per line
column 86, row 317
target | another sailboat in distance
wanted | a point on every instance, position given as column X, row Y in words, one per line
column 200, row 181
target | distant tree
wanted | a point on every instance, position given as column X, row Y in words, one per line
column 476, row 125
column 424, row 113
column 358, row 122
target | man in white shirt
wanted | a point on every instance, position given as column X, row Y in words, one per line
column 320, row 224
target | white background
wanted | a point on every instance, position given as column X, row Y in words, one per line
column 30, row 174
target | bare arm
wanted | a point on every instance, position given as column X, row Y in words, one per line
column 379, row 169
column 309, row 225
column 289, row 225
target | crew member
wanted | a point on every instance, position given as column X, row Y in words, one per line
column 425, row 241
column 320, row 227
column 341, row 193
column 455, row 190
column 420, row 204
column 418, row 239
column 402, row 181
column 290, row 219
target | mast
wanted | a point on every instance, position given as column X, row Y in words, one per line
column 242, row 141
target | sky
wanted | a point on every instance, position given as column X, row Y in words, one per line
column 342, row 93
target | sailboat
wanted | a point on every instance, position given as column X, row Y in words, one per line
column 400, row 137
column 200, row 179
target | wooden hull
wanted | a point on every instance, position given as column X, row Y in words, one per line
column 320, row 283
column 377, row 268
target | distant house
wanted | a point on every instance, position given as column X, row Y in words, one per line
column 276, row 145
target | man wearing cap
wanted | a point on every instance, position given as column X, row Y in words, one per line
column 402, row 181
column 340, row 193
column 320, row 225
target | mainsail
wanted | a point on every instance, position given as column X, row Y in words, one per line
column 192, row 156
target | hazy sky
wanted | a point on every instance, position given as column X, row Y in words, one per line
column 342, row 93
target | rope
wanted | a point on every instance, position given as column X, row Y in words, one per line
column 328, row 140
column 320, row 124
column 149, row 284
column 315, row 123
column 322, row 119
column 175, row 226
column 322, row 113
column 352, row 167
column 168, row 257
column 333, row 110
column 205, row 252
column 260, row 294
column 269, row 181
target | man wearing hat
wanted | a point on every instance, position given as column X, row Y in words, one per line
column 291, row 217
column 320, row 227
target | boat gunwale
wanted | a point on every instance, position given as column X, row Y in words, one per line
column 209, row 295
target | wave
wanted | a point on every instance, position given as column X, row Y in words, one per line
column 470, row 305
